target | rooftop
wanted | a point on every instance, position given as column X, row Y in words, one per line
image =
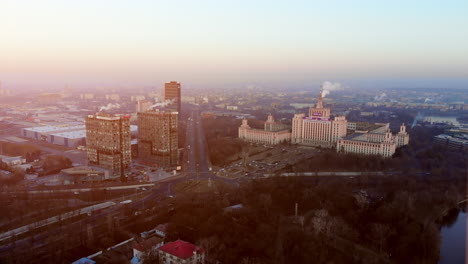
column 71, row 134
column 354, row 136
column 162, row 227
column 83, row 169
column 8, row 158
column 316, row 118
column 45, row 129
column 84, row 261
column 181, row 249
column 148, row 244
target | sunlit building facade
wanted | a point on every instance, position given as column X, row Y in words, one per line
column 158, row 137
column 108, row 140
column 172, row 92
column 376, row 140
column 272, row 133
column 318, row 128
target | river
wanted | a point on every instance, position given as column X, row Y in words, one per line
column 453, row 238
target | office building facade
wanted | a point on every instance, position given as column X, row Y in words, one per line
column 158, row 137
column 172, row 92
column 108, row 140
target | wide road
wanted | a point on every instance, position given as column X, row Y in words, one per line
column 195, row 166
column 199, row 164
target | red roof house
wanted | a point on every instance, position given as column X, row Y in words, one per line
column 181, row 252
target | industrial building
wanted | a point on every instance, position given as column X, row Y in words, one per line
column 69, row 136
column 158, row 137
column 108, row 142
column 66, row 135
column 85, row 175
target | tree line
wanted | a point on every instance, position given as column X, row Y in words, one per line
column 383, row 220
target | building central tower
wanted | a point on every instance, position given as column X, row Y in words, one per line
column 318, row 110
column 318, row 129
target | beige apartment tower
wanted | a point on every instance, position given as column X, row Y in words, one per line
column 172, row 92
column 158, row 137
column 108, row 142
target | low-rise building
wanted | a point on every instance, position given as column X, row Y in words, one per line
column 113, row 97
column 12, row 161
column 457, row 142
column 148, row 246
column 272, row 133
column 85, row 174
column 87, row 96
column 181, row 252
column 378, row 140
column 48, row 133
column 161, row 229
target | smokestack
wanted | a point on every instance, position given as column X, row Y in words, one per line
column 163, row 104
column 380, row 97
column 109, row 106
column 327, row 87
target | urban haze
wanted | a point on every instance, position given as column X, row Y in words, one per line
column 218, row 132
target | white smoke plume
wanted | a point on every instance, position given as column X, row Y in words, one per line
column 109, row 106
column 380, row 97
column 428, row 100
column 327, row 87
column 165, row 103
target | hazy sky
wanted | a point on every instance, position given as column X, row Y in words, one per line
column 89, row 42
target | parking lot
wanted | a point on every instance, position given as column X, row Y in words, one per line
column 267, row 160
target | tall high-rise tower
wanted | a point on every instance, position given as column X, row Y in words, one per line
column 108, row 142
column 172, row 92
column 158, row 137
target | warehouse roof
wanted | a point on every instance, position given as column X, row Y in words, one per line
column 49, row 129
column 71, row 134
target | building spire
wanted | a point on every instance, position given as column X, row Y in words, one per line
column 320, row 100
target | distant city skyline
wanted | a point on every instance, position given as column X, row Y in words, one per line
column 51, row 43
